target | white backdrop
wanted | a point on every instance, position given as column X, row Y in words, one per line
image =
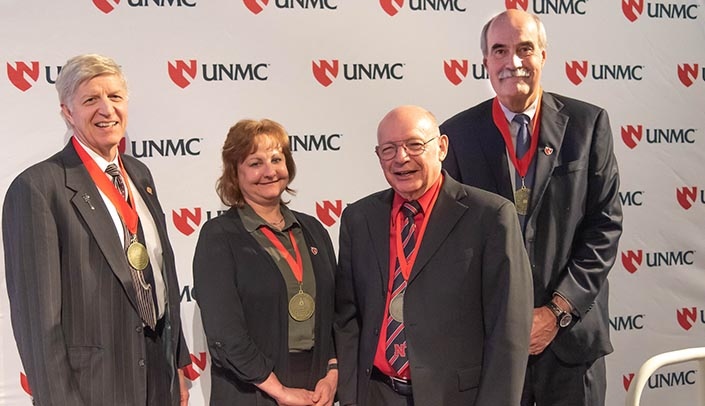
column 328, row 70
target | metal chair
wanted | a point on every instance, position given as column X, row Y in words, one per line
column 660, row 360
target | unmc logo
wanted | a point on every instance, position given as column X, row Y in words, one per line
column 329, row 212
column 392, row 7
column 325, row 71
column 632, row 135
column 107, row 6
column 687, row 317
column 179, row 70
column 188, row 220
column 256, row 6
column 631, row 260
column 456, row 70
column 548, row 6
column 686, row 196
column 183, row 73
column 21, row 72
column 633, row 9
column 631, row 322
column 688, row 74
column 576, row 71
column 627, row 381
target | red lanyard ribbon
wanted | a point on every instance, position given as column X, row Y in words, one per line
column 125, row 209
column 500, row 120
column 296, row 265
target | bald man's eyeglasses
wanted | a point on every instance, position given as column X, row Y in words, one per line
column 413, row 147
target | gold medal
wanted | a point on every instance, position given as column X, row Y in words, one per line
column 301, row 306
column 396, row 307
column 137, row 256
column 521, row 200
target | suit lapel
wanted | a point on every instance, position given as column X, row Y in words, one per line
column 90, row 206
column 495, row 152
column 378, row 220
column 444, row 216
column 553, row 127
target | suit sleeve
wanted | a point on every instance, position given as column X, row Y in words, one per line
column 229, row 342
column 33, row 275
column 507, row 297
column 346, row 326
column 595, row 243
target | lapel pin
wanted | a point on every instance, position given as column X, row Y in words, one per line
column 547, row 150
column 149, row 190
column 314, row 250
column 87, row 199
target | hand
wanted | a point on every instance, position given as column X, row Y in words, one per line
column 294, row 397
column 183, row 388
column 324, row 393
column 543, row 330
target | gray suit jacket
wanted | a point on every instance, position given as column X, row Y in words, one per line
column 72, row 299
column 575, row 217
column 467, row 306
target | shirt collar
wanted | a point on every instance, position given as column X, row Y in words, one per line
column 252, row 221
column 531, row 111
column 426, row 200
column 99, row 160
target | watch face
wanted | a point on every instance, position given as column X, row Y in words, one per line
column 565, row 320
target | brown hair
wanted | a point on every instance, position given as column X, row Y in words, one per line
column 241, row 142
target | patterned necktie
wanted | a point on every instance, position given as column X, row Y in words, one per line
column 115, row 174
column 142, row 280
column 395, row 345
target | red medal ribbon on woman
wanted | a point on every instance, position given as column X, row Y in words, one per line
column 500, row 120
column 125, row 209
column 296, row 265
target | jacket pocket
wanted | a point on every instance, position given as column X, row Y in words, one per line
column 469, row 378
column 568, row 167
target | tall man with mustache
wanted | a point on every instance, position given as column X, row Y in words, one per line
column 553, row 156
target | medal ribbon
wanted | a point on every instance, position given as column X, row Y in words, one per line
column 500, row 120
column 125, row 209
column 404, row 264
column 296, row 265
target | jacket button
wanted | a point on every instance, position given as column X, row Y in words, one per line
column 141, row 362
column 138, row 329
column 367, row 372
column 376, row 332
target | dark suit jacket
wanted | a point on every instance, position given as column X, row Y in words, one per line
column 575, row 217
column 467, row 306
column 71, row 295
column 244, row 307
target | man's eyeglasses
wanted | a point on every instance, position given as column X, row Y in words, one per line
column 412, row 147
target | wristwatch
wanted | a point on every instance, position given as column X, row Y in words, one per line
column 563, row 318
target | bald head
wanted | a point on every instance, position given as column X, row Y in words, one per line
column 518, row 18
column 411, row 134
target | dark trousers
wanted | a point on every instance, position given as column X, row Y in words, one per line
column 380, row 394
column 158, row 368
column 550, row 382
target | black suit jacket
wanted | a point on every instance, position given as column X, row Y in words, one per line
column 244, row 307
column 467, row 306
column 71, row 295
column 575, row 218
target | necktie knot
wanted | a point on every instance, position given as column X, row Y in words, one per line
column 115, row 173
column 521, row 119
column 411, row 208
